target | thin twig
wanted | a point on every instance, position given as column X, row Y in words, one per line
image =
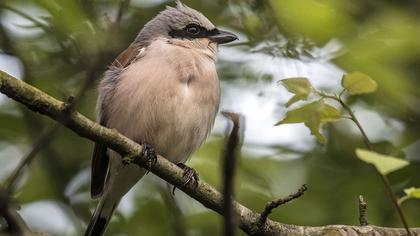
column 342, row 93
column 276, row 203
column 122, row 8
column 395, row 201
column 362, row 211
column 356, row 121
column 36, row 22
column 369, row 145
column 352, row 116
column 44, row 139
column 15, row 224
column 229, row 168
column 384, row 178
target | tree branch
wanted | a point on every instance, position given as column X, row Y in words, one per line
column 229, row 168
column 276, row 203
column 42, row 103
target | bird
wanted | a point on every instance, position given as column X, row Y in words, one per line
column 162, row 92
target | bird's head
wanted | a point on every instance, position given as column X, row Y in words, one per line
column 184, row 26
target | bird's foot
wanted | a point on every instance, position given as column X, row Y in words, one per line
column 149, row 151
column 190, row 176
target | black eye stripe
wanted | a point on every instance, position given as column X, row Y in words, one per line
column 184, row 33
column 212, row 32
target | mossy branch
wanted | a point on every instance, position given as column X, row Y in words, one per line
column 42, row 103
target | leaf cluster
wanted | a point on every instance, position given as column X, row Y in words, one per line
column 315, row 114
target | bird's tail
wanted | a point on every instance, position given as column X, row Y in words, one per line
column 101, row 216
column 121, row 179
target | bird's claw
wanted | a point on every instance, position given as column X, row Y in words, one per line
column 190, row 176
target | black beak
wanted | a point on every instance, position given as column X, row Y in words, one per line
column 222, row 37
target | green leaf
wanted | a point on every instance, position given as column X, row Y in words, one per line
column 314, row 125
column 385, row 164
column 358, row 83
column 313, row 115
column 301, row 87
column 412, row 192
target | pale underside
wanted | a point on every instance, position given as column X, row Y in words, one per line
column 167, row 98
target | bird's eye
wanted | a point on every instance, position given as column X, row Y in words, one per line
column 193, row 29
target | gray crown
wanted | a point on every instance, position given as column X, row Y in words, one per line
column 172, row 19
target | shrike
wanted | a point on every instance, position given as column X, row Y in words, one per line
column 163, row 92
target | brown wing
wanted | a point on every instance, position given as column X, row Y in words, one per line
column 127, row 56
column 100, row 159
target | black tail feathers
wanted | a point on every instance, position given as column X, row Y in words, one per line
column 98, row 227
column 101, row 217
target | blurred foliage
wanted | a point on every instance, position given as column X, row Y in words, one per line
column 64, row 47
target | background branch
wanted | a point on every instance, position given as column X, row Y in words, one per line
column 229, row 160
column 44, row 139
column 176, row 216
column 362, row 211
column 42, row 103
column 276, row 203
column 15, row 224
